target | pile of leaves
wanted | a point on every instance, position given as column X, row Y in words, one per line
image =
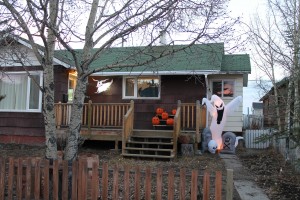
column 272, row 173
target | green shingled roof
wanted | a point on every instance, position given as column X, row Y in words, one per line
column 198, row 57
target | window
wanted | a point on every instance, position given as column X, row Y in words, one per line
column 72, row 86
column 223, row 88
column 22, row 93
column 142, row 87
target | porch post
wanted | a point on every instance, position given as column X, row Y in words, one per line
column 198, row 121
column 89, row 116
column 58, row 112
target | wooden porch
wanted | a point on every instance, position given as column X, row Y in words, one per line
column 115, row 122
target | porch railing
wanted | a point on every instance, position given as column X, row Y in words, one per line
column 177, row 126
column 193, row 117
column 93, row 115
column 128, row 125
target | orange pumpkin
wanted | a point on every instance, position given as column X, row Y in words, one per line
column 159, row 111
column 155, row 120
column 170, row 121
column 174, row 112
column 164, row 115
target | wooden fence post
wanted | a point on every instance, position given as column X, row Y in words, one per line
column 37, row 179
column 229, row 184
column 2, row 177
column 104, row 180
column 182, row 183
column 10, row 178
column 171, row 184
column 126, row 183
column 194, row 185
column 115, row 194
column 159, row 184
column 75, row 180
column 137, row 180
column 95, row 181
column 46, row 179
column 206, row 184
column 148, row 184
column 218, row 185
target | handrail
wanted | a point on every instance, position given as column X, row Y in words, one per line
column 192, row 116
column 177, row 126
column 198, row 121
column 127, row 125
column 93, row 114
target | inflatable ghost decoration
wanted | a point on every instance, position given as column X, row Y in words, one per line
column 219, row 112
column 212, row 146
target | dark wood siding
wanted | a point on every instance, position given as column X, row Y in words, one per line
column 32, row 124
column 188, row 89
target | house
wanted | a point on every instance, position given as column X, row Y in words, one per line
column 269, row 108
column 189, row 75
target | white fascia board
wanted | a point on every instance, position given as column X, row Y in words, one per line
column 186, row 72
column 57, row 61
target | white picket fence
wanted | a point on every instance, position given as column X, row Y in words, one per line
column 251, row 136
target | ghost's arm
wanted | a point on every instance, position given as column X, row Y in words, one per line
column 233, row 105
column 209, row 106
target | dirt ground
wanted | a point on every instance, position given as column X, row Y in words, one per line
column 270, row 170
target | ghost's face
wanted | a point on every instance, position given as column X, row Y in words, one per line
column 212, row 146
column 219, row 104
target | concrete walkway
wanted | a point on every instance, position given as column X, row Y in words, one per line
column 243, row 180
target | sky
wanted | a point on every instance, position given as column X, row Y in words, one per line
column 246, row 10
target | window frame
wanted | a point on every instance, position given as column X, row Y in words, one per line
column 222, row 81
column 29, row 82
column 72, row 77
column 135, row 93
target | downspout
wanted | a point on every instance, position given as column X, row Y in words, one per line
column 207, row 90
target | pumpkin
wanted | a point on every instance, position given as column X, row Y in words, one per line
column 164, row 115
column 174, row 112
column 155, row 120
column 170, row 121
column 159, row 111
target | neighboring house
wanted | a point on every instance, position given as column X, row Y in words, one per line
column 190, row 75
column 257, row 108
column 269, row 108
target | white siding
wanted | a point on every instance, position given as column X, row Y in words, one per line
column 235, row 120
column 8, row 56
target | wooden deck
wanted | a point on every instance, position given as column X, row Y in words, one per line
column 114, row 122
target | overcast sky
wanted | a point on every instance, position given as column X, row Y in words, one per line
column 246, row 10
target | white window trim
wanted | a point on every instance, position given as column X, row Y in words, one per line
column 215, row 80
column 40, row 73
column 135, row 96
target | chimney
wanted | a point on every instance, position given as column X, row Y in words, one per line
column 163, row 37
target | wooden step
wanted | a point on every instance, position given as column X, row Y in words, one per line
column 148, row 156
column 157, row 143
column 152, row 133
column 148, row 149
column 150, row 144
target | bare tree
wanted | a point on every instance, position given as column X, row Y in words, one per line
column 99, row 25
column 276, row 44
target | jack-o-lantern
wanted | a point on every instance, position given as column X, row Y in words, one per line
column 174, row 112
column 159, row 111
column 170, row 121
column 164, row 115
column 155, row 120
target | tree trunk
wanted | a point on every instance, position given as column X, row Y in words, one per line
column 48, row 109
column 71, row 150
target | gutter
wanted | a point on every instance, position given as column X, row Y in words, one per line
column 207, row 90
column 138, row 73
